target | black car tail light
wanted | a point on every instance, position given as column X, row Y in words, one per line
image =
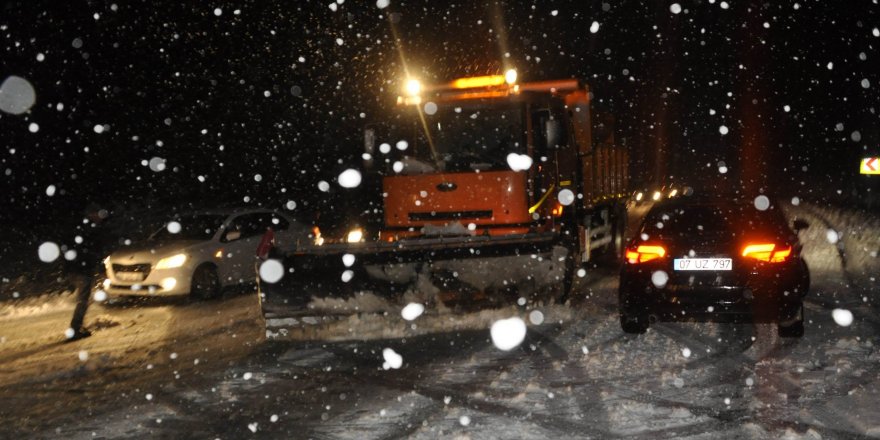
column 768, row 252
column 643, row 253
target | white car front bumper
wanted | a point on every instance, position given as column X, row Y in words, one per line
column 142, row 280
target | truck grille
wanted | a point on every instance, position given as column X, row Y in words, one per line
column 451, row 215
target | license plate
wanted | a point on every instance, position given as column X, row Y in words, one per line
column 702, row 264
column 130, row 276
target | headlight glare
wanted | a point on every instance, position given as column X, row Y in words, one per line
column 356, row 235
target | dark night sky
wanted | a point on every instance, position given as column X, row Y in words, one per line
column 269, row 90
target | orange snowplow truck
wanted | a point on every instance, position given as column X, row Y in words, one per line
column 472, row 172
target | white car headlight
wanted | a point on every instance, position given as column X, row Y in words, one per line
column 171, row 262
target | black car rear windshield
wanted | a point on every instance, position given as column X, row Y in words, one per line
column 709, row 219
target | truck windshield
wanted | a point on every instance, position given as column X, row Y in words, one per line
column 462, row 136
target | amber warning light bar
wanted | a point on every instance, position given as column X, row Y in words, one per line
column 413, row 88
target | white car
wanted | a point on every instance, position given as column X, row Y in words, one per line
column 197, row 254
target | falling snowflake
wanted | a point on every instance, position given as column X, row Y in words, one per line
column 842, row 317
column 350, row 178
column 832, row 236
column 565, row 197
column 519, row 162
column 48, row 252
column 347, row 276
column 762, row 203
column 173, row 227
column 392, row 359
column 271, row 271
column 659, row 278
column 507, row 334
column 412, row 311
column 17, row 95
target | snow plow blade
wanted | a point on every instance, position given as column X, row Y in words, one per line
column 315, row 271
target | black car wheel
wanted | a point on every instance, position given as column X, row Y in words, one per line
column 205, row 283
column 634, row 323
column 793, row 328
column 633, row 316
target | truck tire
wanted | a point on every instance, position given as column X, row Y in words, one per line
column 619, row 239
column 561, row 291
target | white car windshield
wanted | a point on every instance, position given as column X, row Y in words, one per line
column 194, row 227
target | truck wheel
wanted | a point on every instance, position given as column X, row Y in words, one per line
column 619, row 239
column 561, row 291
column 205, row 283
column 793, row 328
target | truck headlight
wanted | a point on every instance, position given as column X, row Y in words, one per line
column 355, row 235
column 171, row 262
column 412, row 87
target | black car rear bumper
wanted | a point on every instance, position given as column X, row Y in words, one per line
column 764, row 297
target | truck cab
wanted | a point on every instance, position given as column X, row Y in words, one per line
column 489, row 156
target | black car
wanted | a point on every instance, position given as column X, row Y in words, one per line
column 717, row 258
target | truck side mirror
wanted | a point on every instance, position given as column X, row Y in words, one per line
column 552, row 132
column 369, row 146
column 369, row 140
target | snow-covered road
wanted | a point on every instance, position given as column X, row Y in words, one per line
column 576, row 375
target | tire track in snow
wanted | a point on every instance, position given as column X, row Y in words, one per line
column 411, row 379
column 462, row 394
